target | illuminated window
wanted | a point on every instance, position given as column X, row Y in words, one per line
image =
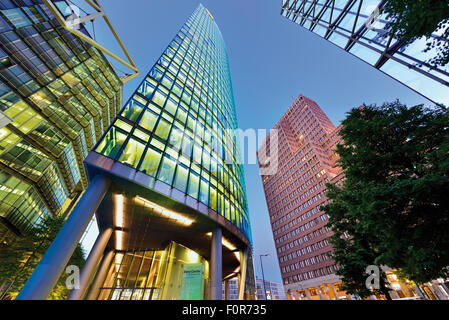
column 111, row 143
column 151, row 161
column 132, row 153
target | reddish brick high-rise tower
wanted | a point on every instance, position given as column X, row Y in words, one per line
column 294, row 194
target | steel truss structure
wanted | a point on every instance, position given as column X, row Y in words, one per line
column 67, row 23
column 358, row 27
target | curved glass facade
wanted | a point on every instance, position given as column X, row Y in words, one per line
column 178, row 127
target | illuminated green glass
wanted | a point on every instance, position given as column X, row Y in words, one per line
column 111, row 143
column 182, row 174
column 175, row 138
column 132, row 153
column 148, row 120
column 132, row 111
column 184, row 108
column 163, row 129
column 151, row 162
column 194, row 182
column 167, row 170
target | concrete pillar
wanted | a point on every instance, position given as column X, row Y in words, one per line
column 226, row 287
column 243, row 267
column 91, row 264
column 216, row 262
column 52, row 264
column 100, row 276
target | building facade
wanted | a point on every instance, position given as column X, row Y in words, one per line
column 306, row 140
column 274, row 290
column 58, row 95
column 357, row 27
column 166, row 184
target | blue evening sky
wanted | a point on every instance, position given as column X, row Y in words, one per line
column 272, row 61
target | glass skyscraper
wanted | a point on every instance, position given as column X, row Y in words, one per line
column 357, row 27
column 175, row 128
column 168, row 184
column 58, row 95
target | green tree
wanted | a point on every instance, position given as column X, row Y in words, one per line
column 393, row 206
column 413, row 19
column 19, row 258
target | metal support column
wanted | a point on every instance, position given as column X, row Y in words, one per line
column 226, row 287
column 243, row 267
column 52, row 264
column 100, row 276
column 216, row 265
column 91, row 264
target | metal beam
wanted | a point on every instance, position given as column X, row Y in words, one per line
column 67, row 25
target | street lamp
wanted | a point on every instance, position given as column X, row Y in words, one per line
column 263, row 277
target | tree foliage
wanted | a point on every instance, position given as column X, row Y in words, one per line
column 393, row 207
column 19, row 258
column 413, row 19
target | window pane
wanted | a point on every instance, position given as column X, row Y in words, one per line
column 146, row 89
column 159, row 98
column 181, row 115
column 132, row 153
column 197, row 153
column 123, row 125
column 111, row 144
column 148, row 120
column 167, row 170
column 206, row 160
column 171, row 106
column 193, row 185
column 181, row 178
column 167, row 82
column 176, row 138
column 163, row 129
column 213, row 167
column 187, row 146
column 132, row 110
column 204, row 194
column 151, row 162
column 213, row 198
column 17, row 17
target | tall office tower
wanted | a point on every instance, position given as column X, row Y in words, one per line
column 58, row 94
column 357, row 27
column 294, row 194
column 166, row 186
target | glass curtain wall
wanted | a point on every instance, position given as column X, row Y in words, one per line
column 176, row 273
column 178, row 125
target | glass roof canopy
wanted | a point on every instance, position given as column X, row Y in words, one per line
column 357, row 27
